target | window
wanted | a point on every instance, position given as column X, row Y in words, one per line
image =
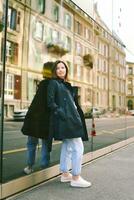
column 78, row 48
column 130, row 82
column 130, row 92
column 68, row 21
column 117, row 56
column 9, row 86
column 32, row 87
column 49, row 35
column 119, row 86
column 68, row 43
column 104, row 83
column 98, row 81
column 12, row 52
column 17, row 87
column 97, row 98
column 88, row 34
column 113, row 85
column 130, row 70
column 69, row 67
column 37, row 5
column 79, row 71
column 105, row 50
column 41, row 6
column 98, row 64
column 99, row 46
column 14, row 19
column 38, row 34
column 119, row 100
column 88, row 76
column 113, row 70
column 8, row 49
column 78, row 27
column 104, row 66
column 56, row 13
column 55, row 36
column 88, row 95
column 86, row 50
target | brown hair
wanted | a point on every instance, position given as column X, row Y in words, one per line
column 54, row 75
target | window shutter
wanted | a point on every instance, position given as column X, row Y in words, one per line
column 17, row 87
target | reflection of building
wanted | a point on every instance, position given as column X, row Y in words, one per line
column 130, row 85
column 110, row 70
column 49, row 30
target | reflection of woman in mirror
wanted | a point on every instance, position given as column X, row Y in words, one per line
column 36, row 124
column 67, row 124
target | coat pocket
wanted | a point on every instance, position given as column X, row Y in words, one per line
column 60, row 112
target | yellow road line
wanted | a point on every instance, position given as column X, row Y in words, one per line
column 24, row 149
column 58, row 142
column 114, row 131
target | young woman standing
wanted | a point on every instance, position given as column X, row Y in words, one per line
column 67, row 124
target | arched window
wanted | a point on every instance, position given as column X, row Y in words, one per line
column 130, row 104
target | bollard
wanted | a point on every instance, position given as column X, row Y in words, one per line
column 93, row 132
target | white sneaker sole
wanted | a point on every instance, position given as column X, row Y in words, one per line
column 80, row 186
column 65, row 181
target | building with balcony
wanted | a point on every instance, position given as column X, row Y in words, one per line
column 109, row 87
column 130, row 85
column 42, row 31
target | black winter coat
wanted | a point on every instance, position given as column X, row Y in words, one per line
column 66, row 117
column 37, row 118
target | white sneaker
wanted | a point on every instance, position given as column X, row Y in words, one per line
column 80, row 182
column 65, row 179
column 28, row 170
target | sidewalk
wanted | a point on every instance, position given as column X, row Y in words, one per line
column 112, row 178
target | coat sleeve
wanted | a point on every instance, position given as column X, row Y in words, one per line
column 75, row 90
column 51, row 96
column 51, row 100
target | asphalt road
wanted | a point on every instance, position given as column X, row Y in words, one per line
column 15, row 140
column 108, row 130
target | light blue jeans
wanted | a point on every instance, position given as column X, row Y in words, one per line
column 31, row 152
column 71, row 155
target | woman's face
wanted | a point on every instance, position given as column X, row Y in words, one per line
column 61, row 70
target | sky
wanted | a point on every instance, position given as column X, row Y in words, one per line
column 120, row 19
column 119, row 16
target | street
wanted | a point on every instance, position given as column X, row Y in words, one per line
column 108, row 131
column 15, row 140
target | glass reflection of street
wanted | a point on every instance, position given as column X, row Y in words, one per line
column 108, row 131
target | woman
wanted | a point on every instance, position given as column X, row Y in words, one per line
column 66, row 125
column 35, row 125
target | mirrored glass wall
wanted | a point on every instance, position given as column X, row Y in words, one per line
column 1, row 69
column 3, row 39
column 40, row 31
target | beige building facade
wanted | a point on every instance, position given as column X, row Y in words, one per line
column 130, row 85
column 41, row 31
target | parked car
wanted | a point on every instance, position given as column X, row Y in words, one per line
column 95, row 112
column 19, row 115
column 131, row 112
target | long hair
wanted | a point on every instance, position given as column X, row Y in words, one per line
column 54, row 75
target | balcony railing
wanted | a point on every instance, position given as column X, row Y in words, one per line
column 56, row 48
